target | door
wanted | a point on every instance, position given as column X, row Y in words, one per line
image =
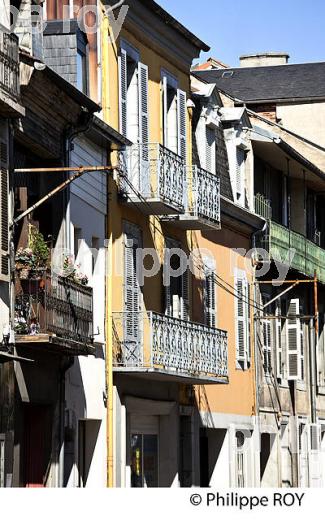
column 37, row 445
column 144, row 452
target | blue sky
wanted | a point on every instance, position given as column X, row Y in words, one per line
column 235, row 27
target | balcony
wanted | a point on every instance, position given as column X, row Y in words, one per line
column 56, row 312
column 164, row 348
column 153, row 178
column 202, row 203
column 9, row 75
column 308, row 257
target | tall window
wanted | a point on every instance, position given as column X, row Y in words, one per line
column 240, row 175
column 242, row 316
column 266, row 337
column 177, row 293
column 133, row 95
column 82, row 63
column 174, row 115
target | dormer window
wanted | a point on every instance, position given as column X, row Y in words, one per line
column 240, row 175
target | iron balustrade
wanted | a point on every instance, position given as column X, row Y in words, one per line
column 155, row 172
column 54, row 305
column 263, row 206
column 9, row 64
column 155, row 341
column 203, row 196
column 306, row 256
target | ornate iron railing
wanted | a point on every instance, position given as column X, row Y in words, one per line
column 54, row 305
column 154, row 341
column 9, row 64
column 306, row 257
column 263, row 206
column 203, row 195
column 154, row 172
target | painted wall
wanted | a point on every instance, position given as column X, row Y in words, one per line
column 85, row 381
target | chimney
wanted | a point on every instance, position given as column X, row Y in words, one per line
column 264, row 59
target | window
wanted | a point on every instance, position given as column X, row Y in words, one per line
column 242, row 316
column 241, row 458
column 95, row 252
column 210, row 163
column 4, row 213
column 321, row 353
column 177, row 293
column 240, row 176
column 82, row 62
column 174, row 115
column 209, row 294
column 133, row 95
column 280, row 340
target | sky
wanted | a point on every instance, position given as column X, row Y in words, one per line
column 235, row 27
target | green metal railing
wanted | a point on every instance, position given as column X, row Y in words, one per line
column 294, row 249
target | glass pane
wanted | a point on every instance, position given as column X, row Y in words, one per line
column 136, row 461
column 150, row 460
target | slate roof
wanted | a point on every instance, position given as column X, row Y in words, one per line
column 272, row 83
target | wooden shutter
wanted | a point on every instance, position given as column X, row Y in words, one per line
column 165, row 110
column 279, row 344
column 185, row 303
column 4, row 212
column 123, row 89
column 209, row 297
column 321, row 353
column 293, row 341
column 132, row 296
column 143, row 103
column 181, row 114
column 315, row 456
column 240, row 180
column 241, row 336
column 210, row 149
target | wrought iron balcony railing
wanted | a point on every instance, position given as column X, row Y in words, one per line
column 203, row 197
column 54, row 306
column 306, row 256
column 262, row 206
column 156, row 343
column 153, row 177
column 9, row 64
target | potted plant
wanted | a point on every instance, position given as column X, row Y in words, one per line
column 31, row 261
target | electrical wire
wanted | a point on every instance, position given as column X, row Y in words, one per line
column 202, row 267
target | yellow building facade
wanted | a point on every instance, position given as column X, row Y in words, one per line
column 180, row 371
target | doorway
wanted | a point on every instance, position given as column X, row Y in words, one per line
column 37, row 445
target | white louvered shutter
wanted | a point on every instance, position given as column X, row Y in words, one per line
column 185, row 303
column 209, row 297
column 144, row 128
column 181, row 115
column 210, row 163
column 4, row 212
column 293, row 341
column 143, row 103
column 240, row 320
column 165, row 110
column 123, row 89
column 240, row 180
column 279, row 342
column 315, row 456
column 132, row 300
column 321, row 353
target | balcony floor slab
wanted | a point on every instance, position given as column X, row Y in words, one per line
column 170, row 376
column 188, row 222
column 153, row 206
column 55, row 344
